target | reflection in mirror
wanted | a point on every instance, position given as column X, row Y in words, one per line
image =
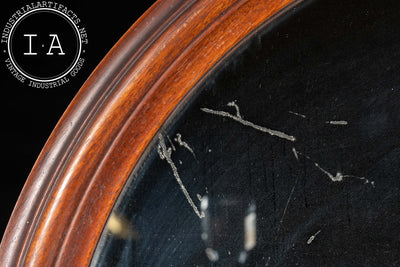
column 287, row 154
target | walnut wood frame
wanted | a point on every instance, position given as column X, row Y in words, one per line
column 85, row 163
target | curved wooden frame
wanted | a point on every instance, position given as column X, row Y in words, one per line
column 84, row 165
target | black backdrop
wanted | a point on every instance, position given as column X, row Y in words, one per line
column 30, row 114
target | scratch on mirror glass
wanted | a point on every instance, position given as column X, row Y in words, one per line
column 295, row 153
column 233, row 104
column 297, row 114
column 172, row 144
column 339, row 176
column 165, row 154
column 287, row 205
column 337, row 122
column 239, row 119
column 311, row 239
column 178, row 139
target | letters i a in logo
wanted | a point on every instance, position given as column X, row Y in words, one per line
column 45, row 44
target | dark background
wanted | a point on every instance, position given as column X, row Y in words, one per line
column 30, row 114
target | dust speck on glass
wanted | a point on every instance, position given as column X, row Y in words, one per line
column 286, row 154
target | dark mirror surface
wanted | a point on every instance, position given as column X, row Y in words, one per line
column 286, row 154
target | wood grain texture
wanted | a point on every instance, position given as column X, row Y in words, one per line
column 89, row 156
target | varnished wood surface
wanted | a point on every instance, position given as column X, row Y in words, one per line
column 85, row 163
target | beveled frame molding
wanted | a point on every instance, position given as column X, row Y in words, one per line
column 86, row 161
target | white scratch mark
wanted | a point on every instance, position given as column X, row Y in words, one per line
column 367, row 181
column 311, row 239
column 339, row 176
column 337, row 122
column 165, row 153
column 233, row 104
column 178, row 139
column 180, row 162
column 199, row 197
column 287, row 205
column 297, row 114
column 295, row 153
column 250, row 124
column 172, row 144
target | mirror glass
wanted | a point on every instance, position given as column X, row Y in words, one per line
column 287, row 153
